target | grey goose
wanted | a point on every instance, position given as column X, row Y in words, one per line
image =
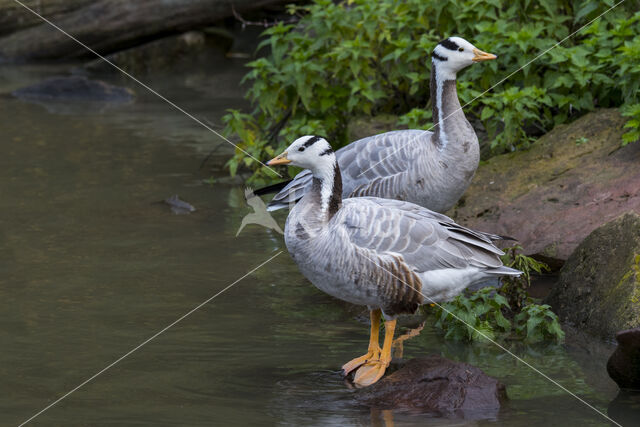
column 431, row 169
column 389, row 255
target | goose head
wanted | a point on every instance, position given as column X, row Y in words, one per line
column 455, row 53
column 308, row 152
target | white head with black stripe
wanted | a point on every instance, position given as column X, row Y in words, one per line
column 309, row 152
column 455, row 53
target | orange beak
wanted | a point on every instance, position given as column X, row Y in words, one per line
column 482, row 56
column 279, row 160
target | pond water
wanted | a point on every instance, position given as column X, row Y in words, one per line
column 92, row 265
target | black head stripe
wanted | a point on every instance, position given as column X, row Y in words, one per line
column 449, row 44
column 434, row 55
column 327, row 151
column 311, row 141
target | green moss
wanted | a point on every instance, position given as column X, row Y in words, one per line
column 599, row 287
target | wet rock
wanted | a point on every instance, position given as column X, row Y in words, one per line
column 439, row 386
column 599, row 286
column 166, row 53
column 572, row 180
column 624, row 364
column 74, row 88
column 179, row 207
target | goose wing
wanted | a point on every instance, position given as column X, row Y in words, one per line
column 292, row 192
column 370, row 166
column 441, row 218
column 425, row 240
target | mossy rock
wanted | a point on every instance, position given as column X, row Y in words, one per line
column 599, row 286
column 550, row 197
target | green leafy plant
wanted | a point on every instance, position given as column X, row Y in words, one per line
column 582, row 140
column 505, row 312
column 632, row 111
column 515, row 288
column 537, row 323
column 365, row 57
column 464, row 316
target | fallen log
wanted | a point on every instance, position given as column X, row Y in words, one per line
column 111, row 25
column 14, row 17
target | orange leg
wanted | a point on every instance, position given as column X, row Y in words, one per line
column 373, row 370
column 374, row 347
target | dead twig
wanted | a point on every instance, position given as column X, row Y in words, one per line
column 264, row 23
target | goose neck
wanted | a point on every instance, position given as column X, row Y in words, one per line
column 447, row 113
column 327, row 190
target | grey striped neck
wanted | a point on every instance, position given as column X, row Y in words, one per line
column 444, row 104
column 327, row 191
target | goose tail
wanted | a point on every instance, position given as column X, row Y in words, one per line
column 271, row 188
column 504, row 271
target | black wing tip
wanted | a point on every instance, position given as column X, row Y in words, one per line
column 274, row 188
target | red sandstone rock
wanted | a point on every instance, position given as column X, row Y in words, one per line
column 574, row 179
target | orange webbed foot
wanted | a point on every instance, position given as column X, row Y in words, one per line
column 372, row 355
column 370, row 373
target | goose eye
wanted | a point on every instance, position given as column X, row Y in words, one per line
column 301, row 149
column 461, row 49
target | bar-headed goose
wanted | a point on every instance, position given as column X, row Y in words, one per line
column 389, row 255
column 431, row 169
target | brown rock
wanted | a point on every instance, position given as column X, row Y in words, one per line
column 439, row 386
column 624, row 364
column 553, row 195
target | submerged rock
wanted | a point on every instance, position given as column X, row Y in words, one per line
column 572, row 180
column 74, row 88
column 624, row 364
column 439, row 386
column 179, row 207
column 599, row 286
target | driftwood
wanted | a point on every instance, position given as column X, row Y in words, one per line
column 106, row 25
column 14, row 17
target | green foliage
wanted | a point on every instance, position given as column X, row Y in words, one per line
column 632, row 111
column 582, row 140
column 463, row 317
column 482, row 315
column 537, row 323
column 515, row 288
column 486, row 313
column 366, row 57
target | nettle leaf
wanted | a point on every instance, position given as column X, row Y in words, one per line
column 502, row 321
column 487, row 112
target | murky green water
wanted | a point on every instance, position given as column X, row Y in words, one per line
column 91, row 266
